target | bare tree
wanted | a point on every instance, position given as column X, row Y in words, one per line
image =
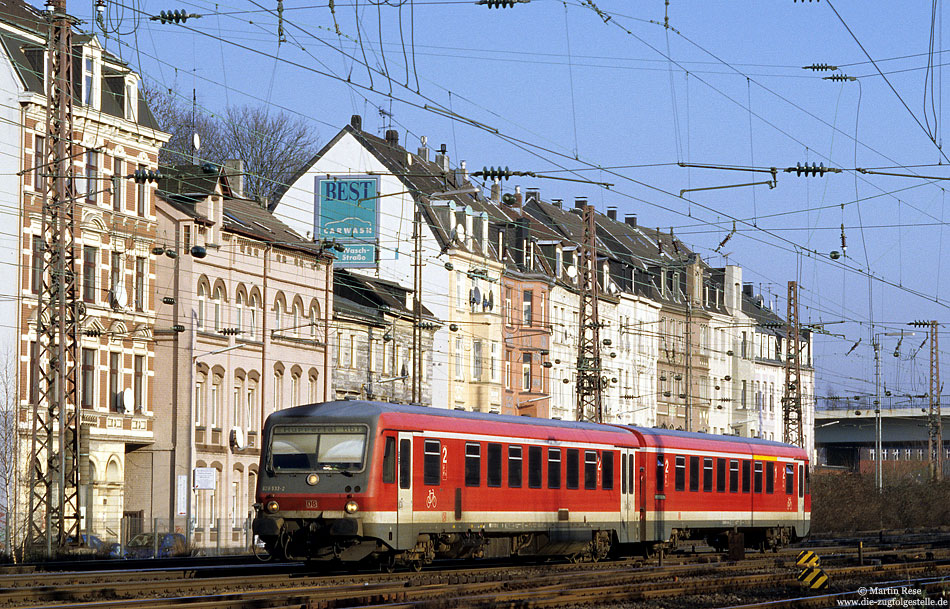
column 9, row 448
column 272, row 146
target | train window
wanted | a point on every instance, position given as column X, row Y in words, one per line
column 807, row 485
column 573, row 468
column 389, row 460
column 405, row 463
column 733, row 475
column 554, row 468
column 430, row 462
column 473, row 464
column 632, row 465
column 318, row 447
column 694, row 473
column 680, row 473
column 590, row 470
column 720, row 475
column 801, row 481
column 607, row 473
column 746, row 475
column 660, row 473
column 789, row 479
column 707, row 474
column 493, row 465
column 623, row 473
column 770, row 477
column 514, row 467
column 757, row 481
column 534, row 466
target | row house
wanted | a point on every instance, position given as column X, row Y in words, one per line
column 114, row 134
column 244, row 302
column 501, row 274
column 527, row 331
column 373, row 321
column 371, row 197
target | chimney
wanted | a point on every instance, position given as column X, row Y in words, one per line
column 461, row 175
column 442, row 159
column 532, row 193
column 392, row 137
column 631, row 219
column 557, row 203
column 612, row 212
column 748, row 289
column 356, row 121
column 580, row 203
column 496, row 191
column 519, row 198
column 423, row 150
column 522, row 238
column 234, row 170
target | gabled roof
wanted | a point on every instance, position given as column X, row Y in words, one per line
column 426, row 180
column 26, row 54
column 371, row 294
column 250, row 219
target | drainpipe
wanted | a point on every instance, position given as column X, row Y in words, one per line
column 327, row 312
column 264, row 340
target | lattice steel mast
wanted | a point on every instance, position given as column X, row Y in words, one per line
column 589, row 382
column 934, row 422
column 792, row 400
column 54, row 457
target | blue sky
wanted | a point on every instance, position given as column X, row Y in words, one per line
column 604, row 89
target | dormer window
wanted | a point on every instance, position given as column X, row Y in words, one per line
column 91, row 78
column 131, row 98
column 558, row 262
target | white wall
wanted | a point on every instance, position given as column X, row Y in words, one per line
column 11, row 161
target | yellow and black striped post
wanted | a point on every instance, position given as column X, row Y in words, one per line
column 813, row 578
column 807, row 558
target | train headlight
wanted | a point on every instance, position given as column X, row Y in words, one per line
column 271, row 506
column 351, row 507
column 312, row 479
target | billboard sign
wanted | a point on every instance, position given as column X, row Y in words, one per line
column 346, row 209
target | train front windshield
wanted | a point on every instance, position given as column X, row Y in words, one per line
column 318, row 447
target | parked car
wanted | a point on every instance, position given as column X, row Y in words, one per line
column 92, row 545
column 169, row 545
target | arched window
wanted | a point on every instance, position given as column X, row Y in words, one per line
column 314, row 319
column 217, row 297
column 251, row 405
column 278, row 389
column 278, row 309
column 202, row 297
column 313, row 386
column 295, row 320
column 252, row 317
column 239, row 311
column 295, row 389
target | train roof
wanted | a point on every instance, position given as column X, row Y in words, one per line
column 673, row 438
column 361, row 409
column 459, row 420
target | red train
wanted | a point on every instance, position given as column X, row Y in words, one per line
column 355, row 480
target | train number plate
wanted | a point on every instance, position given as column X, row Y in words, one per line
column 311, row 504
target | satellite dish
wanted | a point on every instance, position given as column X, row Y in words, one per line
column 237, row 439
column 126, row 400
column 572, row 271
column 459, row 232
column 196, row 141
column 119, row 296
column 476, row 296
column 491, row 301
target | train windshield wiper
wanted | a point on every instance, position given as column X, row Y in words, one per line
column 335, row 467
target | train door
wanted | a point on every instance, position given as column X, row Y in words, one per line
column 628, row 496
column 800, row 494
column 658, row 462
column 404, row 494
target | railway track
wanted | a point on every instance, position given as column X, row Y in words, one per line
column 699, row 580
